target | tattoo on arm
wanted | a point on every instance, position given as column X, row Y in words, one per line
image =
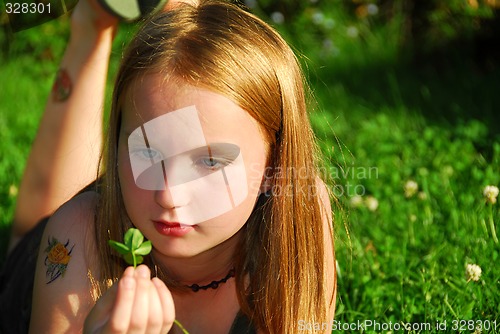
column 57, row 259
column 62, row 86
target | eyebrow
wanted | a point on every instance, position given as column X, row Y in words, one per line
column 228, row 150
column 218, row 148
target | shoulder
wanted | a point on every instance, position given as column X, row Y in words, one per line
column 79, row 207
column 324, row 201
column 324, row 196
column 73, row 222
column 61, row 295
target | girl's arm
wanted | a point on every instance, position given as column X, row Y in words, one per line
column 61, row 291
column 65, row 152
column 62, row 299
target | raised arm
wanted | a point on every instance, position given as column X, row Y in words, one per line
column 65, row 152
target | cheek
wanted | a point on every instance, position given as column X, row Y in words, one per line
column 255, row 166
column 124, row 172
column 255, row 173
column 255, row 170
column 234, row 219
column 130, row 192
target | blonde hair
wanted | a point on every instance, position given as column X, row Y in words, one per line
column 222, row 48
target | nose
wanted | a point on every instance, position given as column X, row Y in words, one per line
column 164, row 198
column 171, row 197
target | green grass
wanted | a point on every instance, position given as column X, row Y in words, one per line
column 381, row 121
column 385, row 123
column 405, row 261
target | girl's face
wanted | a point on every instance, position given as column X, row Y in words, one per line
column 190, row 163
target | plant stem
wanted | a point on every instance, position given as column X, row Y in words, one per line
column 449, row 306
column 492, row 225
column 181, row 327
column 483, row 224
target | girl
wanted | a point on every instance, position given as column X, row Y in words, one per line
column 210, row 154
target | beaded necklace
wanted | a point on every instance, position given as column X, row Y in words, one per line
column 213, row 284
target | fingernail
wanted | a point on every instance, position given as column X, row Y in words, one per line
column 143, row 271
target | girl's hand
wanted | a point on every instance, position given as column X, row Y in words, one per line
column 89, row 20
column 135, row 304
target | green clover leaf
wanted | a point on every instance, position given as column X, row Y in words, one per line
column 119, row 247
column 134, row 247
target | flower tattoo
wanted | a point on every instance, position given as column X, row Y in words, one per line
column 61, row 90
column 57, row 258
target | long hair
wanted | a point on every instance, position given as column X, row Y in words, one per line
column 222, row 48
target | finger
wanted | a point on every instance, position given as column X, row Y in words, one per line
column 155, row 316
column 99, row 315
column 122, row 311
column 167, row 304
column 140, row 310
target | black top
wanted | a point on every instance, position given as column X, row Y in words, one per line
column 242, row 325
column 16, row 282
column 16, row 287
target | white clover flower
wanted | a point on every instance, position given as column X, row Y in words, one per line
column 372, row 9
column 491, row 194
column 356, row 201
column 352, row 32
column 329, row 48
column 422, row 196
column 13, row 190
column 371, row 203
column 411, row 188
column 318, row 18
column 327, row 44
column 278, row 17
column 329, row 23
column 448, row 170
column 473, row 272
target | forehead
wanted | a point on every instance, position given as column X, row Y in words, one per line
column 150, row 97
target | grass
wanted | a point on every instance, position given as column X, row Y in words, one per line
column 381, row 122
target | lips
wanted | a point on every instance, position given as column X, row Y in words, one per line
column 171, row 225
column 172, row 229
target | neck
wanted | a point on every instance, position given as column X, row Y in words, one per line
column 211, row 265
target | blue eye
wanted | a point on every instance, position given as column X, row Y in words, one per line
column 147, row 154
column 211, row 163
